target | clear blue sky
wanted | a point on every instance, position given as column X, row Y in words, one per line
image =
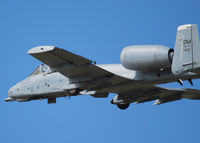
column 98, row 30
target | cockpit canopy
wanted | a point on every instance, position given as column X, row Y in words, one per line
column 40, row 69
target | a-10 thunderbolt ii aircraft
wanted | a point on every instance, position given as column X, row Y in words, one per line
column 135, row 80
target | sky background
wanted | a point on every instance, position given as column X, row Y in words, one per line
column 98, row 30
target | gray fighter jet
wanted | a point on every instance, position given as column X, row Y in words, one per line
column 135, row 80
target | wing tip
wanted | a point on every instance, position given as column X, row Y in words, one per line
column 41, row 49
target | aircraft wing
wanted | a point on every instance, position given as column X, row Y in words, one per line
column 53, row 56
column 160, row 94
column 78, row 69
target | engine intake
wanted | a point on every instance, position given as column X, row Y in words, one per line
column 147, row 57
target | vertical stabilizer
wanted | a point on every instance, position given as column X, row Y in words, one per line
column 187, row 49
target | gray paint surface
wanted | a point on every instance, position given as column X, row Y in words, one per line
column 143, row 67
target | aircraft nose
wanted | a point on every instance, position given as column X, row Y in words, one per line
column 10, row 95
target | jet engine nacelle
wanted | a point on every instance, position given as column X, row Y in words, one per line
column 146, row 57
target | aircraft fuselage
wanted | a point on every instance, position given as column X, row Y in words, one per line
column 46, row 85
